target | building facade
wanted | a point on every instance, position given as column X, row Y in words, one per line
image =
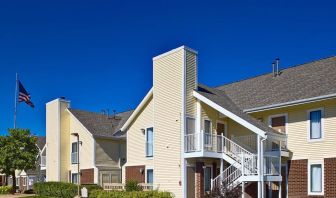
column 268, row 136
column 101, row 146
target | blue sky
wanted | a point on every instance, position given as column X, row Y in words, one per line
column 98, row 54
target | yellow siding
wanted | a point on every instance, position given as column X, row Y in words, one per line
column 107, row 152
column 298, row 130
column 52, row 138
column 86, row 150
column 65, row 147
column 191, row 80
column 168, row 87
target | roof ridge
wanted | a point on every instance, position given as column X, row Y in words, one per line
column 98, row 112
column 289, row 67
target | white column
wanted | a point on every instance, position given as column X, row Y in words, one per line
column 270, row 189
column 262, row 168
column 198, row 123
column 279, row 189
column 259, row 161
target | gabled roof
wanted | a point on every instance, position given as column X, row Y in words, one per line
column 41, row 141
column 220, row 98
column 301, row 82
column 100, row 125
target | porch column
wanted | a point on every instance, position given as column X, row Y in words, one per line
column 243, row 189
column 259, row 161
column 198, row 123
column 280, row 189
column 199, row 180
column 270, row 189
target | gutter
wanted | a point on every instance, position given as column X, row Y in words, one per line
column 291, row 103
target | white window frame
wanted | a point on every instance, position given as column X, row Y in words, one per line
column 207, row 119
column 17, row 181
column 276, row 116
column 74, row 152
column 322, row 125
column 190, row 117
column 72, row 177
column 149, row 168
column 225, row 126
column 149, row 157
column 315, row 162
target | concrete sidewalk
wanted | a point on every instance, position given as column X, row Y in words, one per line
column 16, row 195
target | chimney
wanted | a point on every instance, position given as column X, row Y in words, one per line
column 273, row 69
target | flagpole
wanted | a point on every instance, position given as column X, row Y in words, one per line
column 15, row 99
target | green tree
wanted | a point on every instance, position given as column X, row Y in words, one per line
column 18, row 151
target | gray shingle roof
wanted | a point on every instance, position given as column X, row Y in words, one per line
column 305, row 81
column 41, row 141
column 220, row 98
column 100, row 125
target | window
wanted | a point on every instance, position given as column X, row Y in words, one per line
column 150, row 176
column 315, row 179
column 315, row 124
column 207, row 126
column 17, row 181
column 74, row 153
column 149, row 142
column 278, row 123
column 190, row 125
column 207, row 134
column 74, row 178
column 24, row 181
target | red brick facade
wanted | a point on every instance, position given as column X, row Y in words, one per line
column 199, row 180
column 135, row 173
column 330, row 177
column 297, row 178
column 87, row 176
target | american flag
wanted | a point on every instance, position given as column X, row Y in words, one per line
column 24, row 96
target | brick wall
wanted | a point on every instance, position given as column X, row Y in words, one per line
column 330, row 177
column 87, row 176
column 199, row 180
column 133, row 173
column 297, row 178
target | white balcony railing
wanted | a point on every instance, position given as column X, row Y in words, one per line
column 271, row 165
column 74, row 158
column 43, row 161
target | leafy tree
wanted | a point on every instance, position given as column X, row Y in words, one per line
column 18, row 151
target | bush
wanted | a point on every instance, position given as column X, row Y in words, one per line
column 60, row 189
column 133, row 186
column 5, row 190
column 130, row 194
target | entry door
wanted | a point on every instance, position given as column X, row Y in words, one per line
column 207, row 179
column 220, row 128
column 190, row 182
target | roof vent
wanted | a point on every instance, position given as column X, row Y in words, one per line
column 62, row 97
column 275, row 67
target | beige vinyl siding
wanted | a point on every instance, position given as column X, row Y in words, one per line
column 136, row 140
column 298, row 130
column 191, row 80
column 65, row 147
column 168, row 87
column 86, row 150
column 52, row 138
column 108, row 151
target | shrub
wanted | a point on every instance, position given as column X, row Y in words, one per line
column 133, row 186
column 5, row 190
column 129, row 194
column 60, row 189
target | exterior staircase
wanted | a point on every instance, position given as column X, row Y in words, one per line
column 243, row 163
